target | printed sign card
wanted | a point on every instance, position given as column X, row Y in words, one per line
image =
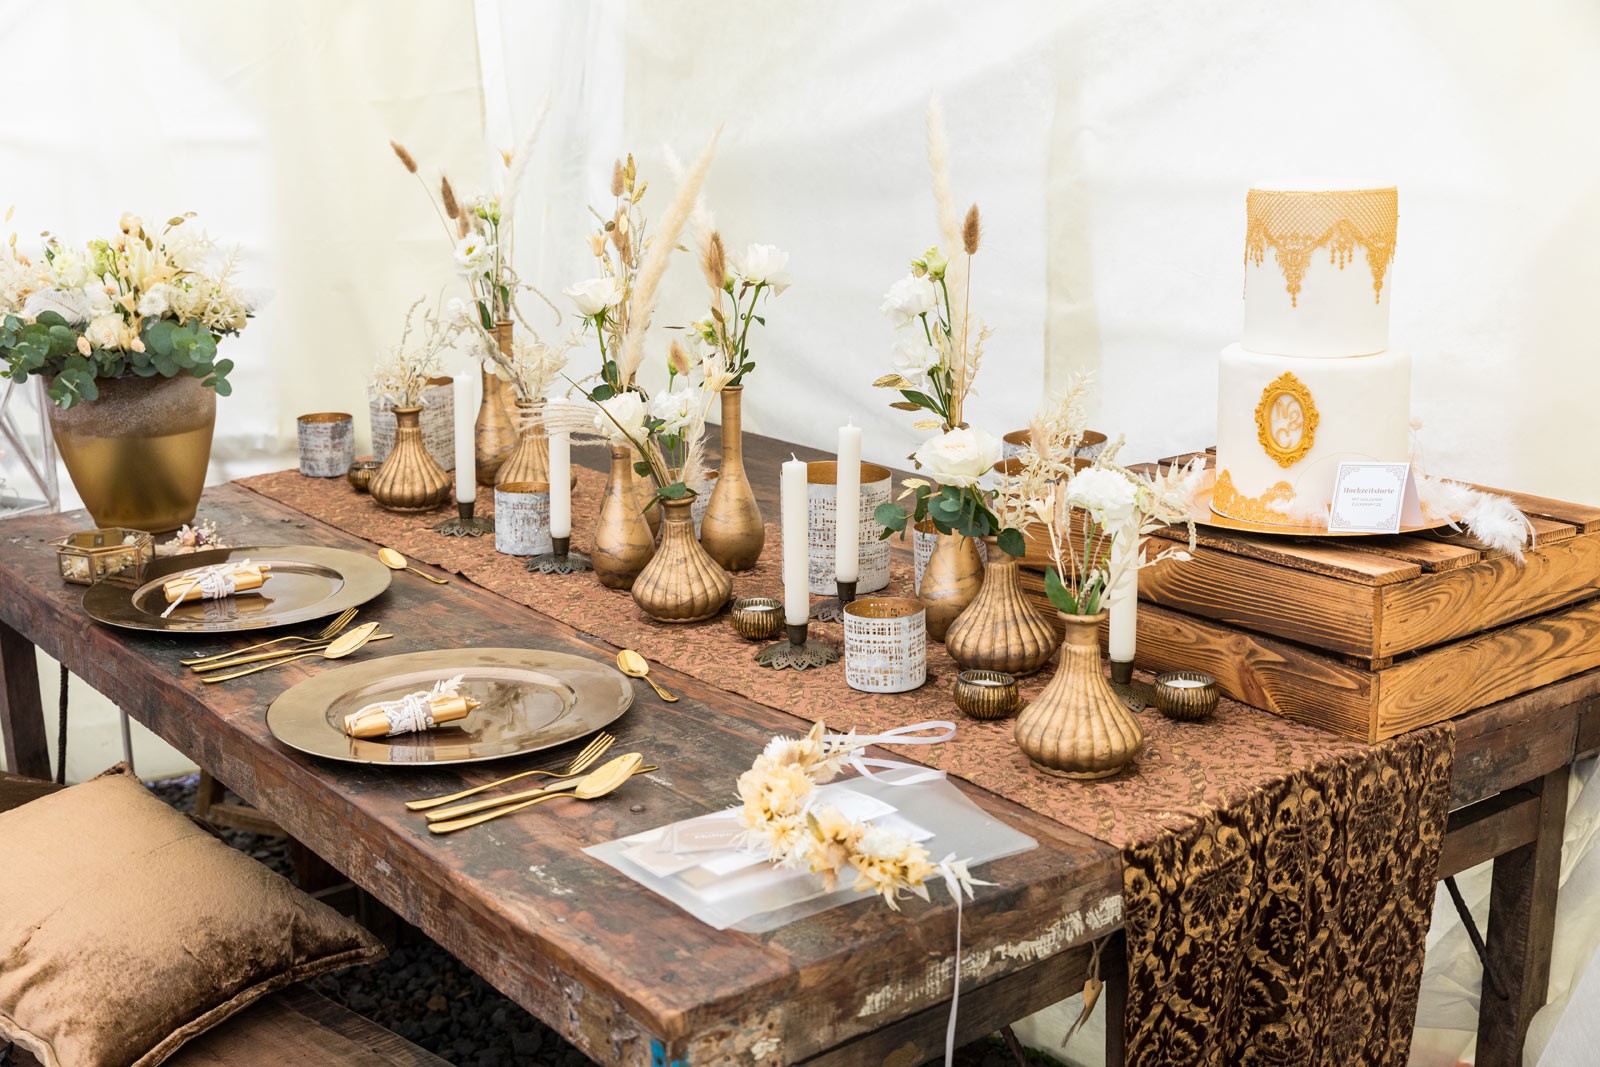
column 1374, row 498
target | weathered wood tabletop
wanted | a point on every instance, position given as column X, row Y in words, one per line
column 624, row 974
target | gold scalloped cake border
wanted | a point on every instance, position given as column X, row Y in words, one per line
column 1235, row 505
column 1295, row 224
column 1286, row 384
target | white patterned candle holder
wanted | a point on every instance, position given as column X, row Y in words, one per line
column 522, row 518
column 438, row 421
column 885, row 644
column 821, row 489
column 923, row 539
column 327, row 444
column 702, row 503
column 1020, row 443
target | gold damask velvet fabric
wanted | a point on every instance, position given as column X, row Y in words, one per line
column 1287, row 930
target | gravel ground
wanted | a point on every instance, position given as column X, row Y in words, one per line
column 426, row 995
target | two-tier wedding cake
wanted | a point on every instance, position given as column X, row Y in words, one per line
column 1314, row 381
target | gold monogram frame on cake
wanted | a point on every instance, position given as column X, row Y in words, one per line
column 1296, row 224
column 1286, row 420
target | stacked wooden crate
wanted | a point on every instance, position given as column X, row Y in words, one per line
column 1374, row 636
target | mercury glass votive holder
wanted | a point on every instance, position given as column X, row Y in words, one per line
column 984, row 694
column 1186, row 696
column 758, row 618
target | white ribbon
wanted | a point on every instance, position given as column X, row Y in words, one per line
column 943, row 730
column 214, row 583
column 413, row 713
column 954, row 887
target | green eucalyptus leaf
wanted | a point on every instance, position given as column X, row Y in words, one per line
column 675, row 491
column 892, row 517
column 1012, row 544
column 1056, row 590
column 51, row 318
column 642, row 469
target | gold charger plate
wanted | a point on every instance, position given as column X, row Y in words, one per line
column 529, row 700
column 1203, row 515
column 308, row 582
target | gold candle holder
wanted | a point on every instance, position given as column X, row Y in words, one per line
column 560, row 559
column 466, row 523
column 798, row 652
column 832, row 609
column 758, row 618
column 984, row 694
column 1186, row 696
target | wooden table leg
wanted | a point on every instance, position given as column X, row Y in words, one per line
column 1114, row 972
column 21, row 713
column 1522, row 918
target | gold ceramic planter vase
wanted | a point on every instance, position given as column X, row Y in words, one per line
column 681, row 583
column 138, row 454
column 410, row 479
column 732, row 531
column 622, row 541
column 1078, row 727
column 950, row 582
column 494, row 434
column 530, row 460
column 1000, row 630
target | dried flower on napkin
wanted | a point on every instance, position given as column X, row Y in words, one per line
column 412, row 713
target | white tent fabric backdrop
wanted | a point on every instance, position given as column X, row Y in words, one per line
column 1109, row 145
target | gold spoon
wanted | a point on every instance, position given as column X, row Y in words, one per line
column 634, row 666
column 513, row 798
column 346, row 644
column 597, row 783
column 396, row 562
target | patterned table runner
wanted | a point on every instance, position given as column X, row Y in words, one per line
column 1278, row 878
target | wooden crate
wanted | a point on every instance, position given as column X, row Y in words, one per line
column 1374, row 636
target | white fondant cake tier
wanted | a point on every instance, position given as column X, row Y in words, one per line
column 1285, row 423
column 1317, row 258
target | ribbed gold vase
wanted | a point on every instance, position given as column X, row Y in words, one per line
column 622, row 541
column 950, row 582
column 1000, row 630
column 494, row 434
column 732, row 531
column 530, row 460
column 681, row 583
column 1078, row 727
column 410, row 479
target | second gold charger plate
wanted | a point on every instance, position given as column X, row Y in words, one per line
column 529, row 700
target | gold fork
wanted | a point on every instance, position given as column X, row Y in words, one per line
column 580, row 763
column 340, row 621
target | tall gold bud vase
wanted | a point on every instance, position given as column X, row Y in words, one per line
column 622, row 541
column 1000, row 630
column 410, row 479
column 732, row 532
column 950, row 582
column 681, row 583
column 1078, row 727
column 494, row 435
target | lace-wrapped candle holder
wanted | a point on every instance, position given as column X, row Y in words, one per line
column 522, row 518
column 885, row 644
column 822, row 490
column 327, row 442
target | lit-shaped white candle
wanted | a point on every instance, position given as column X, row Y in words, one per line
column 561, row 484
column 466, row 401
column 796, row 585
column 1123, row 600
column 847, row 507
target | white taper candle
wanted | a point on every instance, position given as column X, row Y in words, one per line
column 847, row 507
column 795, row 509
column 561, row 484
column 466, row 401
column 1123, row 601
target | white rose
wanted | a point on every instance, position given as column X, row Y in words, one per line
column 69, row 269
column 594, row 296
column 1107, row 496
column 155, row 301
column 914, row 358
column 106, row 331
column 909, row 297
column 98, row 300
column 765, row 264
column 473, row 254
column 675, row 409
column 960, row 457
column 626, row 409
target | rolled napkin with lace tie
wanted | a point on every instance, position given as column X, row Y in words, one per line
column 412, row 713
column 215, row 582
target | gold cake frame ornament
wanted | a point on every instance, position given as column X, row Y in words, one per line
column 1285, row 389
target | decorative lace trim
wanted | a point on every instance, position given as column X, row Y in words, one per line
column 1270, row 507
column 1286, row 420
column 1295, row 224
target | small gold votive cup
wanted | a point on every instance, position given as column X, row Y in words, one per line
column 1186, row 696
column 361, row 473
column 758, row 618
column 987, row 694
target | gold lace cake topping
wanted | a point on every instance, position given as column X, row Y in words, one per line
column 1295, row 225
column 1227, row 500
column 1286, row 420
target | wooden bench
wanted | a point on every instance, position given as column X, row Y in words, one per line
column 292, row 1028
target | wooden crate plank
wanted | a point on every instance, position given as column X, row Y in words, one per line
column 1316, row 556
column 1584, row 516
column 1477, row 671
column 1443, row 607
column 1273, row 675
column 1545, row 532
column 1431, row 555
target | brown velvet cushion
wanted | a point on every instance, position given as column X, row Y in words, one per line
column 126, row 929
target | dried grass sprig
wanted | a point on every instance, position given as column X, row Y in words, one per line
column 947, row 214
column 405, row 157
column 447, row 196
column 972, row 231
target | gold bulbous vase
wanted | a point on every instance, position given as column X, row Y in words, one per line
column 622, row 541
column 494, row 434
column 681, row 583
column 732, row 531
column 950, row 582
column 1078, row 727
column 1000, row 630
column 529, row 461
column 410, row 479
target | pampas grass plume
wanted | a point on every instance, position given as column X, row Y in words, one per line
column 715, row 262
column 616, row 178
column 405, row 157
column 447, row 196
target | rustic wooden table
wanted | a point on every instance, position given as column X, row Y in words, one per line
column 625, row 975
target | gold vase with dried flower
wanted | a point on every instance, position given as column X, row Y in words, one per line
column 494, row 433
column 1078, row 727
column 1000, row 630
column 410, row 479
column 681, row 583
column 622, row 540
